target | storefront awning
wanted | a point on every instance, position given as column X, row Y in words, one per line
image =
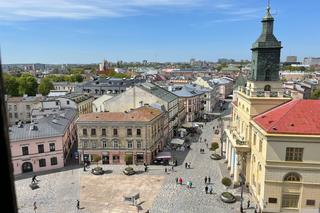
column 177, row 141
column 164, row 155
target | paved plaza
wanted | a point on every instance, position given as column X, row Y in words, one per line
column 158, row 190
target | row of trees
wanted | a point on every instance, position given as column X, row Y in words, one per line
column 27, row 84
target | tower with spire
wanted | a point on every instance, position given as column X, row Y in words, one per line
column 266, row 52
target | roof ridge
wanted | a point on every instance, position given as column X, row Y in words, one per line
column 295, row 102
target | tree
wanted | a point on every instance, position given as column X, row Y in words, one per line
column 316, row 94
column 226, row 182
column 128, row 158
column 214, row 147
column 76, row 78
column 28, row 85
column 96, row 158
column 11, row 85
column 45, row 86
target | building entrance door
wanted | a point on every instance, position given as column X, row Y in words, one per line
column 27, row 167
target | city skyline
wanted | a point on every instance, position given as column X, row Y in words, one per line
column 65, row 31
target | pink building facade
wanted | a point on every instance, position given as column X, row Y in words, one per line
column 43, row 145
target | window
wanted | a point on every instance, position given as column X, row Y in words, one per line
column 254, row 139
column 84, row 132
column 25, row 150
column 292, row 176
column 10, row 107
column 28, row 115
column 272, row 200
column 129, row 132
column 68, row 102
column 42, row 162
column 54, row 161
column 15, row 115
column 10, row 115
column 28, row 107
column 115, row 132
column 93, row 132
column 290, row 201
column 115, row 144
column 104, row 144
column 189, row 109
column 294, row 154
column 52, row 147
column 310, row 202
column 189, row 102
column 116, row 159
column 129, row 144
column 103, row 133
column 41, row 148
column 260, row 146
column 15, row 107
column 139, row 144
column 267, row 88
column 138, row 132
column 85, row 143
column 94, row 143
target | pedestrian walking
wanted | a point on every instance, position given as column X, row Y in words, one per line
column 189, row 165
column 186, row 165
column 35, row 206
column 180, row 180
column 166, row 170
column 190, row 184
column 172, row 168
column 205, row 180
column 78, row 204
column 34, row 179
column 209, row 179
column 211, row 190
column 248, row 204
column 206, row 189
column 177, row 179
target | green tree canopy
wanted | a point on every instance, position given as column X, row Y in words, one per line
column 316, row 94
column 11, row 85
column 27, row 85
column 45, row 86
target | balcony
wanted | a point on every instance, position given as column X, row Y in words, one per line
column 276, row 93
column 237, row 141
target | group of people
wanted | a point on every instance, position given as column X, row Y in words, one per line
column 208, row 188
column 201, row 151
column 179, row 180
column 187, row 165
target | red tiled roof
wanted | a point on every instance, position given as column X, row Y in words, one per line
column 140, row 114
column 300, row 117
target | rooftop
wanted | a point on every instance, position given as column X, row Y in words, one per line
column 300, row 117
column 158, row 91
column 188, row 90
column 144, row 113
column 51, row 126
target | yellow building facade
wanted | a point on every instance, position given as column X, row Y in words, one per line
column 281, row 168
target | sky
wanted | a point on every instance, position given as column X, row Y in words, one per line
column 88, row 31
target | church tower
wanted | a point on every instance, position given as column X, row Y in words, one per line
column 266, row 53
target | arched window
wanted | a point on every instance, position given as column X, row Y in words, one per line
column 267, row 88
column 292, row 176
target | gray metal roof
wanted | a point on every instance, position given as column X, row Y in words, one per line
column 50, row 126
column 158, row 91
column 189, row 90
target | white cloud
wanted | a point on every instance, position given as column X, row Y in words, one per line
column 19, row 10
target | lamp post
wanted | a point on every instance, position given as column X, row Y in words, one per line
column 242, row 181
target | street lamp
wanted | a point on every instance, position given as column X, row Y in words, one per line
column 242, row 182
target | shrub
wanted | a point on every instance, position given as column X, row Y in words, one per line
column 226, row 182
column 128, row 159
column 96, row 158
column 214, row 146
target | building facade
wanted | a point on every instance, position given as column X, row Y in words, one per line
column 115, row 135
column 43, row 145
column 272, row 140
column 19, row 108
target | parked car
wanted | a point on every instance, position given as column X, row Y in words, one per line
column 129, row 171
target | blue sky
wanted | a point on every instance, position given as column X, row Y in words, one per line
column 87, row 31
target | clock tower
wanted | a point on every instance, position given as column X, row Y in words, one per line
column 266, row 53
